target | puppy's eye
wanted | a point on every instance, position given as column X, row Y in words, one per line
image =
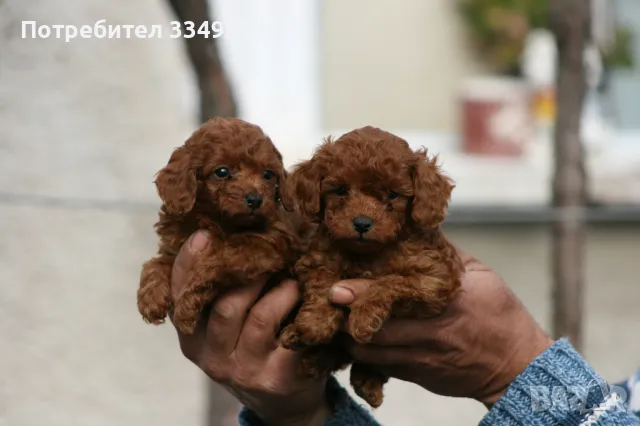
column 268, row 175
column 393, row 195
column 222, row 173
column 341, row 191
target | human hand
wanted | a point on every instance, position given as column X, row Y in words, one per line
column 484, row 340
column 236, row 345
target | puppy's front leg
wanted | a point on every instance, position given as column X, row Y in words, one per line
column 416, row 294
column 368, row 383
column 317, row 320
column 321, row 360
column 154, row 292
column 449, row 256
column 370, row 311
column 199, row 292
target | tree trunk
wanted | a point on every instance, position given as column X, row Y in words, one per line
column 570, row 20
column 216, row 96
column 216, row 100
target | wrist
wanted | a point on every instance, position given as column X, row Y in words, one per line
column 314, row 406
column 319, row 417
column 517, row 366
column 532, row 397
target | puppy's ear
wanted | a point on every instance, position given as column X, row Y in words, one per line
column 303, row 186
column 176, row 182
column 282, row 195
column 432, row 191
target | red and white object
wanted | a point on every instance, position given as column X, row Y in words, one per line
column 496, row 118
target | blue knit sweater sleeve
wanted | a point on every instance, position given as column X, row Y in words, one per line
column 346, row 411
column 558, row 388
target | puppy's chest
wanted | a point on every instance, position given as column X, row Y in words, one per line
column 247, row 244
column 407, row 257
column 363, row 270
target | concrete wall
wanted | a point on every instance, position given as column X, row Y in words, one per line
column 396, row 64
column 84, row 126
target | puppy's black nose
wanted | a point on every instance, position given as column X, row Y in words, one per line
column 253, row 200
column 362, row 224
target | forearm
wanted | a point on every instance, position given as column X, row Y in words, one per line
column 559, row 388
column 345, row 411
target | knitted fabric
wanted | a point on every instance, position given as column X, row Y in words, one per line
column 347, row 412
column 557, row 388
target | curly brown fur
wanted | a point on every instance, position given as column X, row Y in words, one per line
column 379, row 206
column 225, row 179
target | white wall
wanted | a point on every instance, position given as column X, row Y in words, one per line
column 397, row 65
column 272, row 52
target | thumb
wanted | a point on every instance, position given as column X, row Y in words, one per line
column 196, row 245
column 348, row 291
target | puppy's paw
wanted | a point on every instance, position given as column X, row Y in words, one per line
column 185, row 322
column 296, row 337
column 371, row 393
column 311, row 368
column 154, row 303
column 290, row 338
column 363, row 325
column 153, row 313
column 319, row 361
column 368, row 384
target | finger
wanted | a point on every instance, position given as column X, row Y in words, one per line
column 228, row 314
column 382, row 355
column 284, row 364
column 348, row 291
column 192, row 345
column 405, row 372
column 258, row 337
column 407, row 331
column 199, row 243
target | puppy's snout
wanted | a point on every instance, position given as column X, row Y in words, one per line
column 253, row 200
column 362, row 224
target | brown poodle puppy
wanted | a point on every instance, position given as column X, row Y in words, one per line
column 224, row 179
column 379, row 206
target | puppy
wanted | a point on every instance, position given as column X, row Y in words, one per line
column 226, row 180
column 379, row 206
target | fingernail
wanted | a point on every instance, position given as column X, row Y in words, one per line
column 341, row 295
column 199, row 241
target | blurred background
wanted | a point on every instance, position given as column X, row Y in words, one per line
column 85, row 124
